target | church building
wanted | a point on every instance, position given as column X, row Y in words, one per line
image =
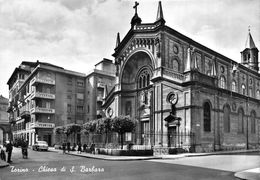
column 182, row 93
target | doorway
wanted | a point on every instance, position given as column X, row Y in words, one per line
column 172, row 136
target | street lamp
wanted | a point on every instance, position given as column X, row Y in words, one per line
column 172, row 98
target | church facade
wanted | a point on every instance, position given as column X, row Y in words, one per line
column 217, row 100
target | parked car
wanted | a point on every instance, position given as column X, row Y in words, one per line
column 40, row 145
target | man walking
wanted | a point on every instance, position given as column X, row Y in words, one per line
column 9, row 149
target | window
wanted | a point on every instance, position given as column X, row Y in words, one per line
column 174, row 64
column 69, row 81
column 80, row 83
column 253, row 124
column 240, row 121
column 143, row 79
column 222, row 82
column 207, row 118
column 243, row 88
column 250, row 91
column 226, row 119
column 48, row 105
column 69, row 108
column 234, row 86
column 258, row 94
column 80, row 108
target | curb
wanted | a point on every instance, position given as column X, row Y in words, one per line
column 115, row 159
column 3, row 164
column 250, row 174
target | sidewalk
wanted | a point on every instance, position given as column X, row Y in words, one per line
column 3, row 163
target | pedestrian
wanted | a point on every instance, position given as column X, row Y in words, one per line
column 64, row 147
column 9, row 149
column 79, row 148
column 74, row 147
column 92, row 148
column 68, row 147
column 2, row 153
column 24, row 147
column 85, row 148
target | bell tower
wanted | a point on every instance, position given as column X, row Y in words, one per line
column 249, row 56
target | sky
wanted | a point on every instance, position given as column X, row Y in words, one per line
column 77, row 34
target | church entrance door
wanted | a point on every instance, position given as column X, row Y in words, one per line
column 172, row 136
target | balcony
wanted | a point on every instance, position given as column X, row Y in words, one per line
column 25, row 114
column 41, row 125
column 39, row 110
column 37, row 80
column 42, row 95
column 101, row 85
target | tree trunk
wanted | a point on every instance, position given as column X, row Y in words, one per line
column 122, row 143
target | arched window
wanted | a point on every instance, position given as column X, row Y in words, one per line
column 234, row 86
column 143, row 79
column 226, row 118
column 175, row 65
column 140, row 82
column 253, row 124
column 206, row 117
column 243, row 89
column 258, row 94
column 240, row 121
column 222, row 83
column 148, row 79
column 250, row 91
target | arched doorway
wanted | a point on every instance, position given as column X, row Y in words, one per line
column 137, row 94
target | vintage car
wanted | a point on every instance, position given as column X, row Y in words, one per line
column 40, row 145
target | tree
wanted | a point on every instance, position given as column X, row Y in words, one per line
column 121, row 125
column 104, row 126
column 90, row 127
column 72, row 129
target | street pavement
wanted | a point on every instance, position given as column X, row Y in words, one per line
column 207, row 166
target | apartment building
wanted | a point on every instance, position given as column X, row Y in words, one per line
column 43, row 96
column 98, row 83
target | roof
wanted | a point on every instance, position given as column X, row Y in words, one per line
column 249, row 42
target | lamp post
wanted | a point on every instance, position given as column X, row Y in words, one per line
column 172, row 98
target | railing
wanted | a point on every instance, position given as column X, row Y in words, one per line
column 185, row 140
column 41, row 125
column 145, row 26
column 44, row 81
column 169, row 74
column 42, row 95
column 42, row 110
